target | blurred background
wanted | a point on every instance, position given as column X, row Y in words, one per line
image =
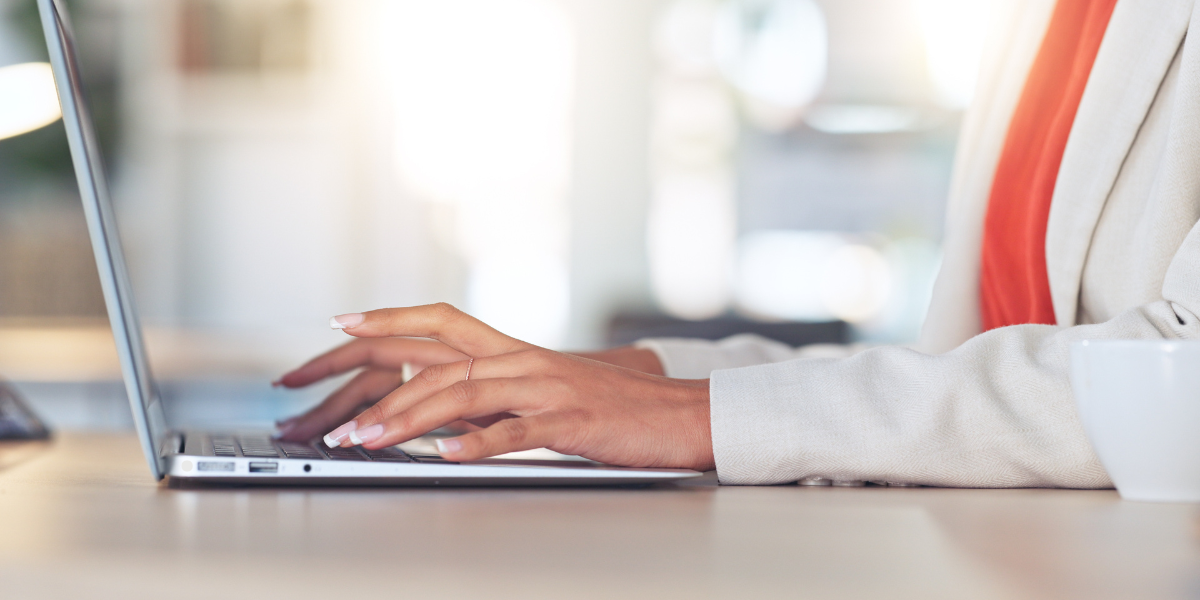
column 577, row 173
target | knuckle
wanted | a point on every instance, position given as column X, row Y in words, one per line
column 464, row 392
column 374, row 352
column 543, row 359
column 433, row 374
column 514, row 432
column 537, row 358
column 564, row 389
column 403, row 421
column 444, row 311
column 374, row 414
column 554, row 386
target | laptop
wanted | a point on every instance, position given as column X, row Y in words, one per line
column 255, row 457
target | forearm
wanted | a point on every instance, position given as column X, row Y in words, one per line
column 995, row 412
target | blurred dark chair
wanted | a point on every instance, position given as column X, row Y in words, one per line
column 17, row 421
column 627, row 328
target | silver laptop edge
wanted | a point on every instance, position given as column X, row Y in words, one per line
column 106, row 245
column 164, row 450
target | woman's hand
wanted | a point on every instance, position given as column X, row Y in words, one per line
column 530, row 397
column 385, row 361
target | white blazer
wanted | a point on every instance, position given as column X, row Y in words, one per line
column 994, row 409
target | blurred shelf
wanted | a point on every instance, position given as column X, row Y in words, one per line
column 85, row 352
column 628, row 328
column 71, row 377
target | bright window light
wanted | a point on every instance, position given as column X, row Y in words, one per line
column 856, row 283
column 780, row 274
column 775, row 53
column 862, row 118
column 482, row 97
column 28, row 100
column 684, row 38
column 954, row 32
column 695, row 123
column 690, row 238
column 692, row 222
column 482, row 90
column 810, row 276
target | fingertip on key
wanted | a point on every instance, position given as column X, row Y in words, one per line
column 446, row 446
column 337, row 436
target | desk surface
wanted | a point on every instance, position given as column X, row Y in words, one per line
column 80, row 516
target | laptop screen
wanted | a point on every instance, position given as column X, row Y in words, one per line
column 110, row 262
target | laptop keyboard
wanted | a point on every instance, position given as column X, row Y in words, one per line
column 262, row 446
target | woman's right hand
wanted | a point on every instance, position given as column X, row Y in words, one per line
column 382, row 361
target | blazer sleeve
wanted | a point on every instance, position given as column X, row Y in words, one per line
column 995, row 412
column 685, row 358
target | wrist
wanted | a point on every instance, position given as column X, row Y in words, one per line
column 695, row 399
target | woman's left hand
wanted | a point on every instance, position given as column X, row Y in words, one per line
column 529, row 397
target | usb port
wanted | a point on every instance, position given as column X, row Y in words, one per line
column 264, row 467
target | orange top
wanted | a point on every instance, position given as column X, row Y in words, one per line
column 1014, row 287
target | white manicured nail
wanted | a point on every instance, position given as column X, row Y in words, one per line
column 346, row 321
column 366, row 434
column 335, row 437
column 283, row 430
column 445, row 446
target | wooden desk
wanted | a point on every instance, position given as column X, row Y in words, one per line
column 82, row 519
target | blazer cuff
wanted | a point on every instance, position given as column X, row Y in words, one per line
column 750, row 436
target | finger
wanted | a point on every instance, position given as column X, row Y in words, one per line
column 462, row 400
column 440, row 322
column 367, row 386
column 461, row 427
column 509, row 435
column 383, row 353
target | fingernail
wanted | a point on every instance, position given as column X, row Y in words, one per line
column 366, row 434
column 286, row 422
column 445, row 446
column 346, row 321
column 283, row 429
column 335, row 437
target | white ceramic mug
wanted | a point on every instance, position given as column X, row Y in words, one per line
column 1140, row 405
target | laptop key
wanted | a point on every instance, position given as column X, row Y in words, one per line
column 431, row 458
column 298, row 450
column 255, row 446
column 340, row 453
column 389, row 454
column 224, row 446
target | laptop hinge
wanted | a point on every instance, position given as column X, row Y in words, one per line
column 173, row 444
